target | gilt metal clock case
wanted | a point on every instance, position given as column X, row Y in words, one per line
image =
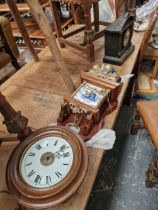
column 118, row 35
column 47, row 167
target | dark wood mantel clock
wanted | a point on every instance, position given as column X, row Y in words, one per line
column 118, row 35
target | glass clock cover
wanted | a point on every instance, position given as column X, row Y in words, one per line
column 90, row 94
column 46, row 162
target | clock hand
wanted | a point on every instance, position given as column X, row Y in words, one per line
column 62, row 149
column 57, row 154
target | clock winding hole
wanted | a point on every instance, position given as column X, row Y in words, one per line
column 47, row 159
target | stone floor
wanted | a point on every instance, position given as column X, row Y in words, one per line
column 120, row 184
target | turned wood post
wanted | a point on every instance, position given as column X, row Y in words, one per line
column 96, row 15
column 21, row 26
column 45, row 27
column 14, row 121
column 56, row 20
column 152, row 174
column 117, row 8
column 89, row 32
column 132, row 5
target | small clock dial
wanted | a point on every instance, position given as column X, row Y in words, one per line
column 126, row 37
column 46, row 162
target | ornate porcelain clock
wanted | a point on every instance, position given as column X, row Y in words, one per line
column 118, row 35
column 47, row 167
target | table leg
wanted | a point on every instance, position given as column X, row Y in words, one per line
column 132, row 84
column 19, row 207
column 89, row 32
column 56, row 21
column 152, row 174
column 96, row 16
column 155, row 70
column 16, row 64
column 130, row 91
column 136, row 124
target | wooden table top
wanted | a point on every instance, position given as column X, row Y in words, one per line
column 37, row 89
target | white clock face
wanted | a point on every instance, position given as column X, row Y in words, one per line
column 46, row 162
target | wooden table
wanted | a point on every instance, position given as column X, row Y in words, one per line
column 37, row 90
column 22, row 7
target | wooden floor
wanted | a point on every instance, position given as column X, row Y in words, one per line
column 37, row 90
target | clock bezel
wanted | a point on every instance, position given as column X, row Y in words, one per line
column 26, row 149
column 13, row 164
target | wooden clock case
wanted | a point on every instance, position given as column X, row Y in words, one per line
column 90, row 115
column 115, row 35
column 93, row 117
column 35, row 198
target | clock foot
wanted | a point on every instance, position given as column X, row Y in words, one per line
column 118, row 60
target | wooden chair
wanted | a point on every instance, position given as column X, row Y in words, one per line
column 146, row 52
column 8, row 50
column 148, row 112
column 89, row 34
column 123, row 6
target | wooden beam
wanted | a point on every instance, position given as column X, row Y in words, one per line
column 21, row 26
column 45, row 27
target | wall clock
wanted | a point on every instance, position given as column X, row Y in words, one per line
column 118, row 35
column 47, row 167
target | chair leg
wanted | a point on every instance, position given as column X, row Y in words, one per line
column 57, row 22
column 96, row 16
column 16, row 64
column 155, row 70
column 152, row 175
column 136, row 124
column 89, row 32
column 19, row 207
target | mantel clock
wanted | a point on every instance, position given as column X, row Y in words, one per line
column 118, row 35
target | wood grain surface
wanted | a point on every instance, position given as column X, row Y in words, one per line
column 38, row 89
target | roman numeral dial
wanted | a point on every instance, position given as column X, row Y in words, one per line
column 46, row 162
column 38, row 147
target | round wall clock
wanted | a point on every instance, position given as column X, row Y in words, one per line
column 47, row 167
